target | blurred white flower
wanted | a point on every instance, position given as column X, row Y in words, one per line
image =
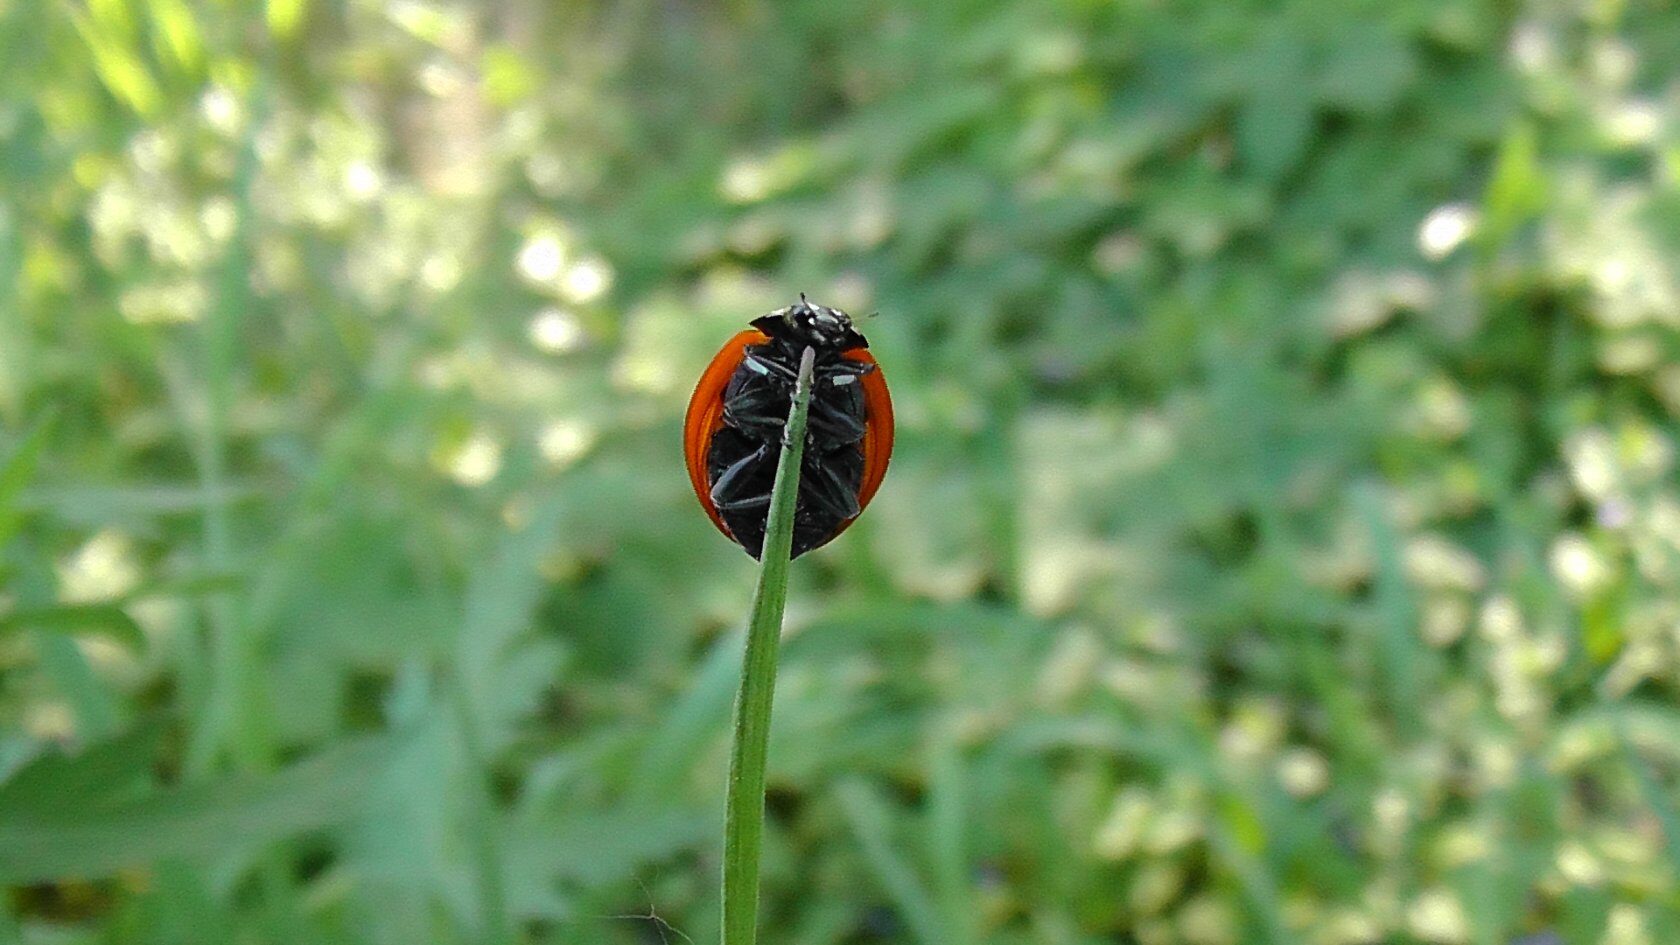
column 586, row 280
column 440, row 272
column 219, row 217
column 167, row 303
column 475, row 461
column 1630, row 353
column 1208, row 920
column 1352, row 926
column 541, row 258
column 49, row 720
column 1592, row 463
column 566, row 441
column 746, row 180
column 1578, row 566
column 1578, row 864
column 1445, row 229
column 1155, row 886
column 1254, row 730
column 1435, row 562
column 1121, row 833
column 1303, row 772
column 1613, row 60
column 1437, row 916
column 1392, row 812
column 441, row 78
column 1633, row 122
column 1532, row 46
column 1443, row 410
column 1462, row 844
column 1362, row 300
column 362, row 181
column 556, row 331
column 1175, row 828
column 221, row 110
column 1445, row 618
column 1627, row 926
column 100, row 570
column 1495, row 762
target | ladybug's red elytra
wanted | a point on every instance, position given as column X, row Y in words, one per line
column 732, row 436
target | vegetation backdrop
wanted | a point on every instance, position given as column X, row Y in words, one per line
column 1282, row 544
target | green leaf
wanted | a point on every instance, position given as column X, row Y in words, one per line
column 1402, row 656
column 503, row 594
column 108, row 619
column 1517, row 189
column 177, row 35
column 118, row 65
column 1369, row 68
column 1275, row 124
column 60, row 783
column 692, row 722
column 603, row 846
column 285, row 17
column 196, row 821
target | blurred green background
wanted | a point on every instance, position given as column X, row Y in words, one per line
column 1282, row 543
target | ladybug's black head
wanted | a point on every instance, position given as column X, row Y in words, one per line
column 817, row 326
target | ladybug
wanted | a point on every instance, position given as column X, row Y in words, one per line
column 732, row 436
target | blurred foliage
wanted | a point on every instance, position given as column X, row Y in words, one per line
column 1282, row 546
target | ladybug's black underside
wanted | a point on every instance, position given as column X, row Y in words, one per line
column 741, row 465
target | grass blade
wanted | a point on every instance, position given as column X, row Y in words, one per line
column 15, row 472
column 743, row 831
column 947, row 800
column 71, row 619
column 871, row 822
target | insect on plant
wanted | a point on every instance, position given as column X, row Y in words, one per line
column 733, row 434
column 787, row 439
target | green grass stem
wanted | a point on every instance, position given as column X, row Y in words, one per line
column 743, row 831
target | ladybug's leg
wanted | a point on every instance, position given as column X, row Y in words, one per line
column 824, row 486
column 769, row 367
column 741, row 505
column 837, row 405
column 756, row 409
column 834, row 425
column 844, row 367
column 727, row 489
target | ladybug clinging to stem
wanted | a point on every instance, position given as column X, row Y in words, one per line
column 732, row 436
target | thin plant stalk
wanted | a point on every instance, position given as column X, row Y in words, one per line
column 743, row 831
